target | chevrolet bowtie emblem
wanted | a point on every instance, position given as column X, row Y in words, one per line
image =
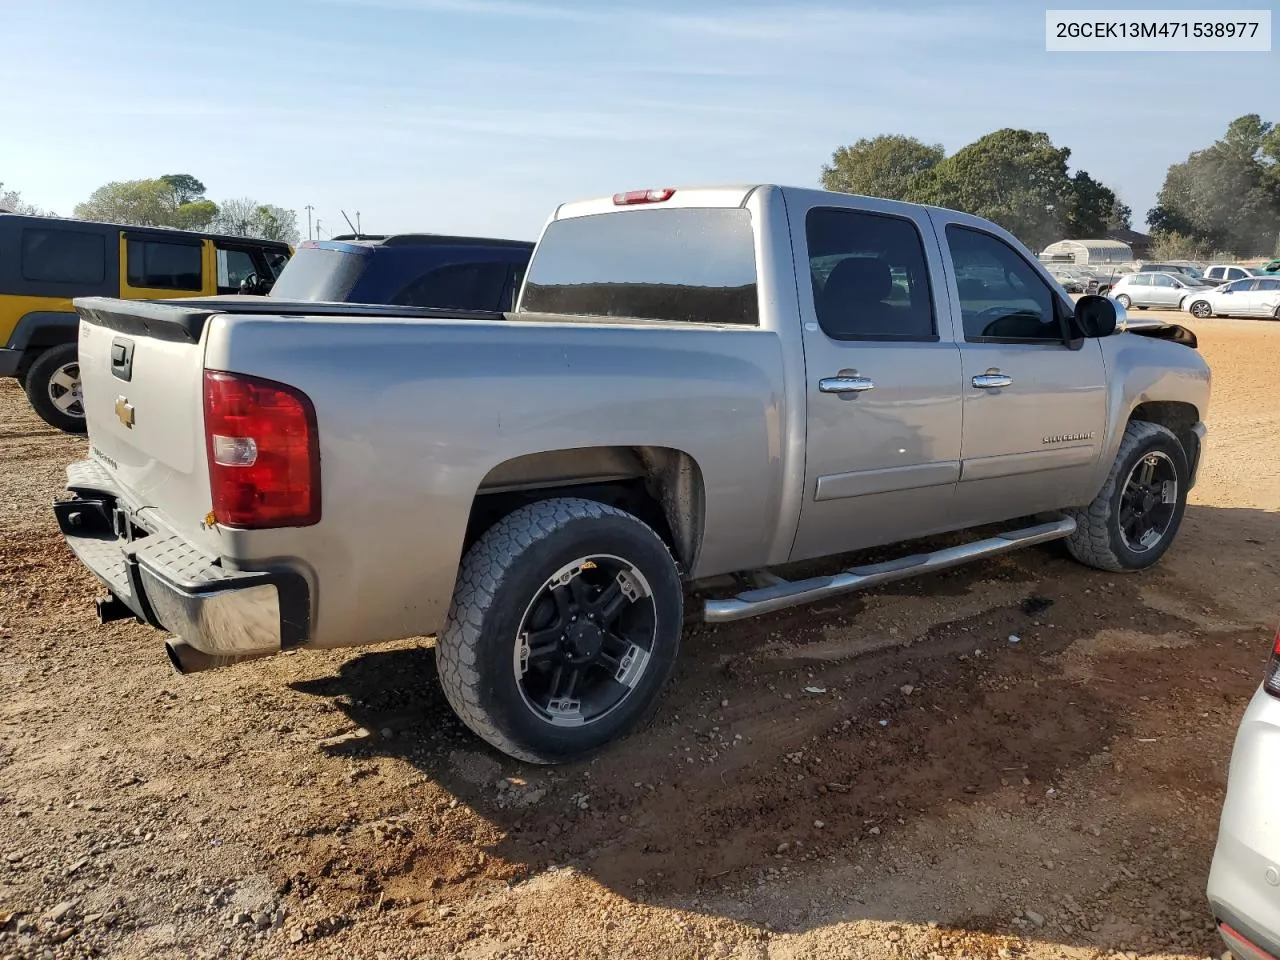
column 124, row 411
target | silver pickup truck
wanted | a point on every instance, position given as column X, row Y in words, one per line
column 693, row 383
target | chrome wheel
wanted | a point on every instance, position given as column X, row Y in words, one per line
column 1149, row 502
column 1124, row 301
column 585, row 640
column 65, row 390
column 1201, row 310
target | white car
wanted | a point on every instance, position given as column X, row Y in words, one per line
column 1226, row 272
column 1164, row 291
column 1253, row 297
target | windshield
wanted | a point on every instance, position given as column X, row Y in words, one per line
column 317, row 273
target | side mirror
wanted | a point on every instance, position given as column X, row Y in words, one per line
column 1096, row 316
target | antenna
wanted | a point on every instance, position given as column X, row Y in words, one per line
column 350, row 224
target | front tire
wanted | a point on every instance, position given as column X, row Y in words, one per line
column 1124, row 301
column 564, row 629
column 1201, row 310
column 53, row 388
column 1135, row 517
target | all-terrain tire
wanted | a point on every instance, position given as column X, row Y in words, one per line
column 40, row 384
column 500, row 576
column 1097, row 541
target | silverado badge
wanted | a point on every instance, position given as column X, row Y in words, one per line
column 124, row 411
column 1068, row 437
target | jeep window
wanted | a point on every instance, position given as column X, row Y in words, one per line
column 63, row 256
column 869, row 276
column 234, row 267
column 161, row 265
column 683, row 265
column 1001, row 296
column 464, row 286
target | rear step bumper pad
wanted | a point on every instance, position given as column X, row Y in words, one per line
column 170, row 585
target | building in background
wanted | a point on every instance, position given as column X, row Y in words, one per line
column 1087, row 252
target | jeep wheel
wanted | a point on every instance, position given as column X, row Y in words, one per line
column 564, row 628
column 1201, row 310
column 1133, row 520
column 53, row 388
column 1124, row 301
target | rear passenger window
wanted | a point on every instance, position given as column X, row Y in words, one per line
column 63, row 256
column 870, row 277
column 1268, row 285
column 461, row 286
column 1002, row 297
column 163, row 265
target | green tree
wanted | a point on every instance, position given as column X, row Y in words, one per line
column 1016, row 178
column 1093, row 209
column 1227, row 196
column 143, row 203
column 890, row 166
column 185, row 187
column 1170, row 245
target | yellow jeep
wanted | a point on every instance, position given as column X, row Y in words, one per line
column 45, row 261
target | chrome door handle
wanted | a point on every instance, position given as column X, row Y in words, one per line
column 992, row 381
column 845, row 384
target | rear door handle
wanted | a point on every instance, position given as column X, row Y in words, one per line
column 845, row 384
column 992, row 381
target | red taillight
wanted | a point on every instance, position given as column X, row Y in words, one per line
column 264, row 454
column 643, row 196
column 1271, row 682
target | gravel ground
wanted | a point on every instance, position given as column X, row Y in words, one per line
column 888, row 776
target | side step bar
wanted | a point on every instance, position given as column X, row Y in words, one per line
column 784, row 593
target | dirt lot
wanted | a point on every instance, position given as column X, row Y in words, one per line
column 950, row 793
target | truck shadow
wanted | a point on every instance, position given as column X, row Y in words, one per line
column 770, row 768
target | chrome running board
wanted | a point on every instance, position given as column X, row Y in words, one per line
column 782, row 594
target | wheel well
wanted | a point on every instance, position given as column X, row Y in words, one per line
column 661, row 486
column 1176, row 416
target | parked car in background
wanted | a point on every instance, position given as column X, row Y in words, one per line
column 1254, row 297
column 650, row 414
column 46, row 261
column 1245, row 871
column 1224, row 273
column 1271, row 266
column 1164, row 291
column 411, row 269
column 1183, row 268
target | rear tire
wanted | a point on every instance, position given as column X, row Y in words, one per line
column 515, row 668
column 53, row 388
column 1135, row 517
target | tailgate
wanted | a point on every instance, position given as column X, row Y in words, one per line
column 142, row 370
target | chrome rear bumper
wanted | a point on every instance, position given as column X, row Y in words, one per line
column 164, row 581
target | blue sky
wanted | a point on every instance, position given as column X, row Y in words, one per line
column 479, row 116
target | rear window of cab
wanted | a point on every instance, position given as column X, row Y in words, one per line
column 678, row 265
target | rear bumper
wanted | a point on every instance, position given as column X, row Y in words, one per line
column 164, row 581
column 1244, row 879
